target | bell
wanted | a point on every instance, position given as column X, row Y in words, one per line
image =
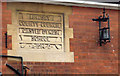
column 105, row 34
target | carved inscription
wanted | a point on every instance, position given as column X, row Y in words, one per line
column 40, row 31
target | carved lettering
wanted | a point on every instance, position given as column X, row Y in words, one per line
column 39, row 24
column 40, row 38
column 40, row 46
column 42, row 31
column 41, row 17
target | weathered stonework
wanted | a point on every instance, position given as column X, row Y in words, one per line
column 35, row 42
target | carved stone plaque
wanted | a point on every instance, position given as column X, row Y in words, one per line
column 40, row 31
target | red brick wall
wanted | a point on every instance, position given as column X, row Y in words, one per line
column 90, row 58
column 119, row 39
column 0, row 34
column 96, row 59
column 6, row 19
